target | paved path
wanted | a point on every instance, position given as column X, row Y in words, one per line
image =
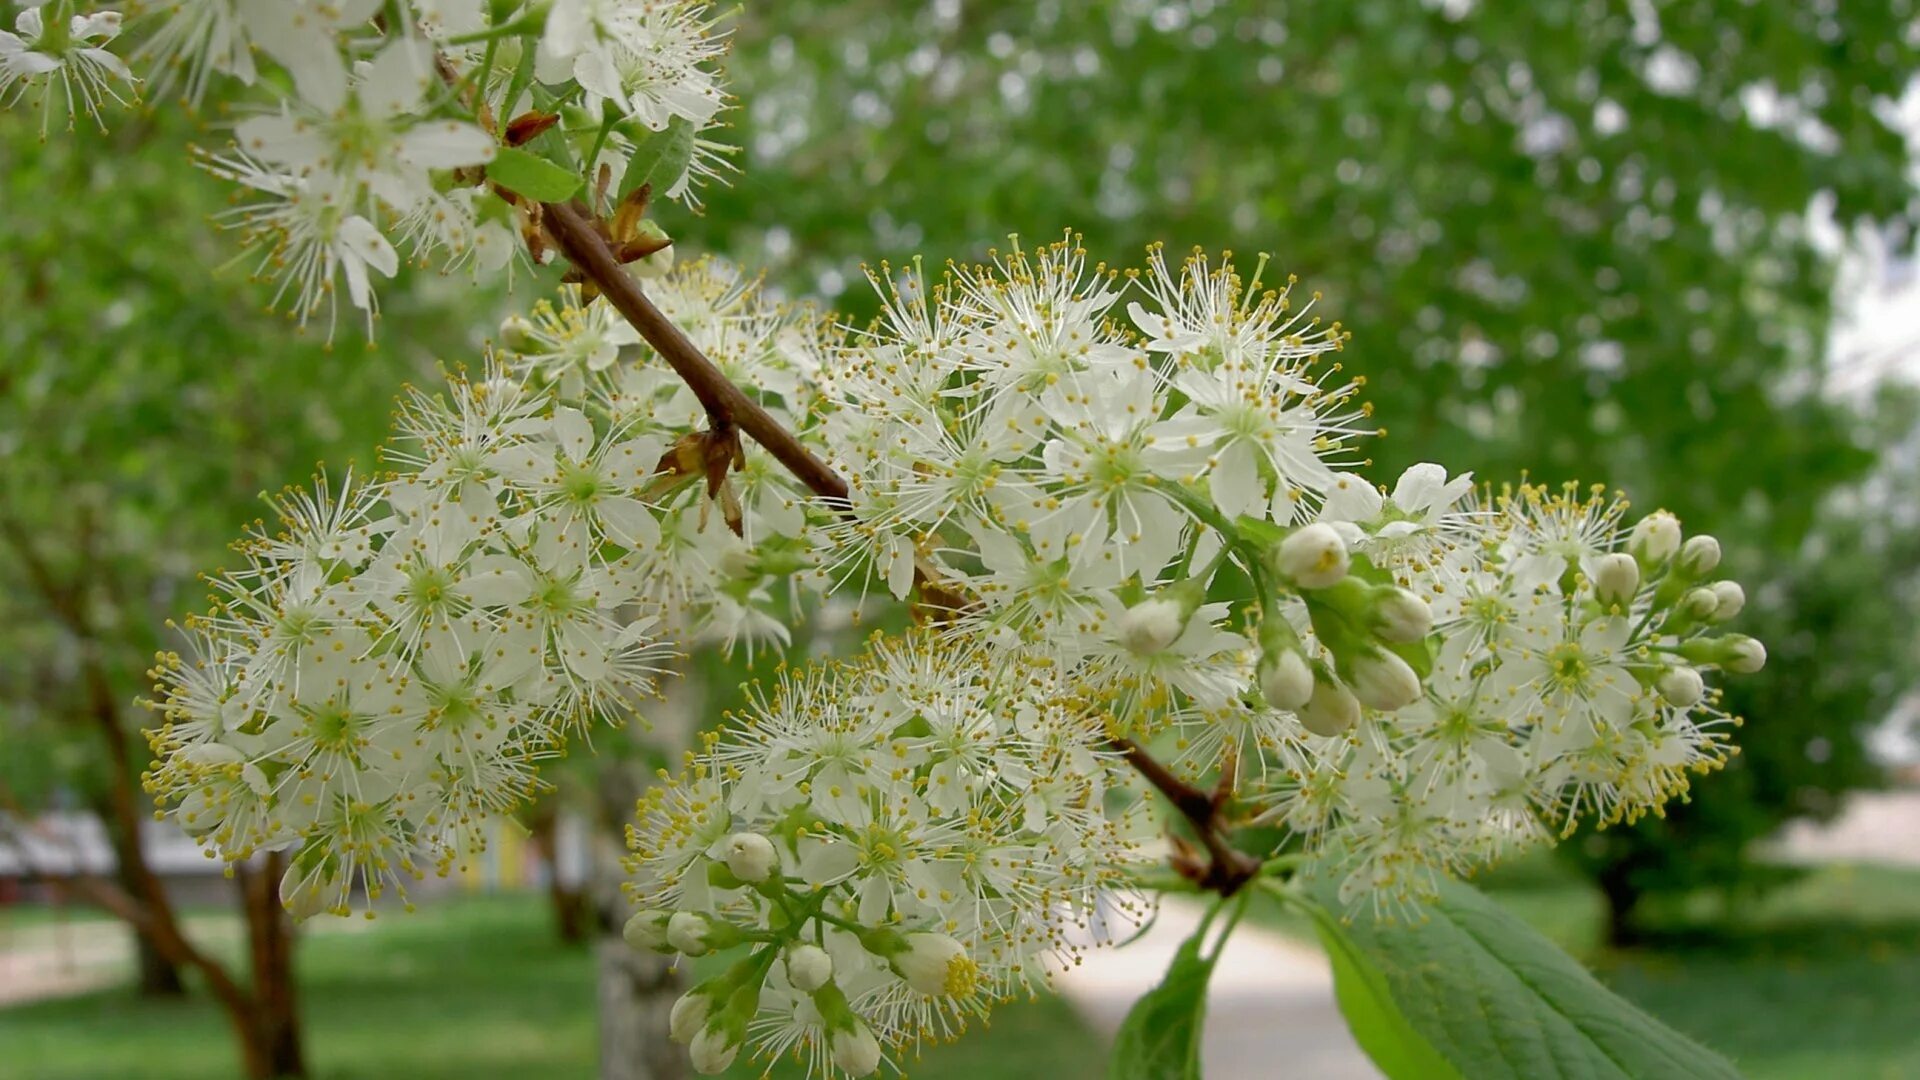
column 1270, row 1009
column 1877, row 826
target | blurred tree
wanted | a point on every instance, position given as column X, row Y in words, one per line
column 145, row 404
column 1568, row 234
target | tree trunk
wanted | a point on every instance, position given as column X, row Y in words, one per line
column 159, row 975
column 1623, row 900
column 273, row 1021
column 573, row 914
column 637, row 989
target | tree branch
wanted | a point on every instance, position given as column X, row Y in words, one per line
column 584, row 242
column 585, row 245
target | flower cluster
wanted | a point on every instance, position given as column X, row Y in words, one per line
column 60, row 57
column 1163, row 510
column 1004, row 431
column 1487, row 673
column 893, row 844
column 381, row 137
column 357, row 157
column 733, row 546
column 390, row 667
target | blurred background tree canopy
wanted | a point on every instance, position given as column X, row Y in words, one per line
column 1567, row 235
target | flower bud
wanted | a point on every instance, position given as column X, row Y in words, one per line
column 659, row 263
column 646, row 930
column 1681, row 686
column 713, row 1049
column 1151, row 625
column 689, row 1015
column 1700, row 555
column 1732, row 599
column 1655, row 538
column 1286, row 682
column 855, row 1051
column 935, row 964
column 688, row 932
column 1616, row 578
column 516, row 332
column 751, row 856
column 1401, row 617
column 808, row 967
column 1313, row 556
column 1331, row 710
column 1745, row 655
column 654, row 266
column 1699, row 604
column 1384, row 682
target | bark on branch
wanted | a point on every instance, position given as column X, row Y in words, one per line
column 583, row 242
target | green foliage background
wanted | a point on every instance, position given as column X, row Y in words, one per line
column 148, row 400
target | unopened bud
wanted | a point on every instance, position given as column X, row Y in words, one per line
column 1401, row 617
column 936, row 964
column 1286, row 681
column 1655, row 538
column 688, row 932
column 1700, row 555
column 1313, row 556
column 808, row 967
column 1151, row 625
column 1331, row 710
column 713, row 1049
column 689, row 1015
column 656, row 264
column 516, row 332
column 855, row 1051
column 1616, row 578
column 1745, row 655
column 1699, row 604
column 1732, row 599
column 751, row 856
column 1384, row 682
column 646, row 930
column 1681, row 686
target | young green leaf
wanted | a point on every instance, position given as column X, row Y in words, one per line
column 1160, row 1038
column 1470, row 990
column 531, row 176
column 660, row 158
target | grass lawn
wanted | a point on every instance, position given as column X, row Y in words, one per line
column 1818, row 981
column 471, row 989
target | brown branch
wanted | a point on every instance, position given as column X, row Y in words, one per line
column 584, row 242
column 1226, row 868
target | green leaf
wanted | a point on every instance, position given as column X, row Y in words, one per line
column 660, row 158
column 1473, row 991
column 531, row 176
column 1259, row 531
column 1160, row 1037
column 1417, row 654
column 1366, row 1001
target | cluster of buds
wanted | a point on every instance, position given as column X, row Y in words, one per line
column 1367, row 628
